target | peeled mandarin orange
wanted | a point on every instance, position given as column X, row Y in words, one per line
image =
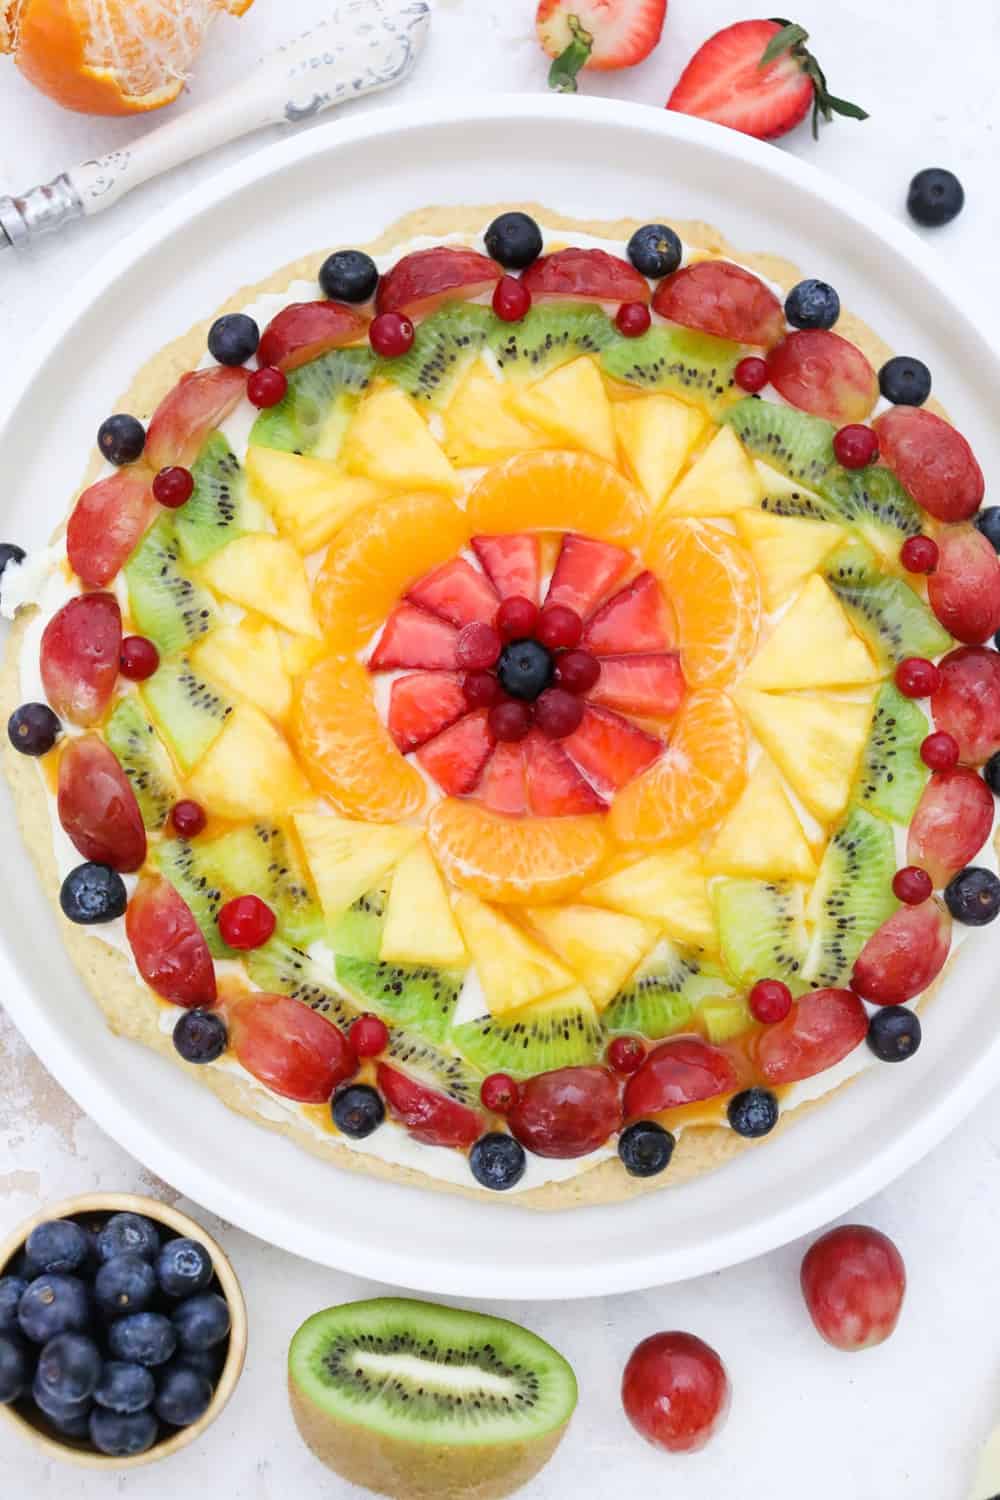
column 713, row 586
column 559, row 491
column 524, row 862
column 694, row 784
column 346, row 750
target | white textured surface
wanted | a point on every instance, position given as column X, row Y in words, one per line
column 903, row 1420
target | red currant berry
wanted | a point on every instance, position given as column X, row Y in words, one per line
column 173, row 487
column 855, row 446
column 912, row 885
column 577, row 671
column 632, row 319
column 188, row 818
column 517, row 618
column 266, row 387
column 246, row 922
column 511, row 299
column 917, row 678
column 919, row 554
column 369, row 1036
column 940, row 751
column 626, row 1054
column 510, row 720
column 139, row 658
column 481, row 689
column 770, row 1001
column 751, row 373
column 478, row 646
column 558, row 625
column 391, row 335
column 499, row 1093
column 558, row 713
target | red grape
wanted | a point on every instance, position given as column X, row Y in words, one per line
column 675, row 1391
column 967, row 702
column 577, row 671
column 717, row 297
column 904, row 955
column 820, row 372
column 291, row 1048
column 951, row 824
column 566, row 1113
column 558, row 713
column 97, row 806
column 517, row 617
column 854, row 1281
column 171, row 954
column 931, row 460
column 106, row 524
column 80, row 655
column 679, row 1072
column 964, row 589
column 820, row 1029
column 429, row 1116
column 199, row 402
column 558, row 625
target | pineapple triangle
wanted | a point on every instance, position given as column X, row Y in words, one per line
column 265, row 573
column 720, row 482
column 602, row 947
column 309, row 498
column 812, row 646
column 389, row 441
column 667, row 888
column 480, row 427
column 249, row 770
column 419, row 925
column 347, row 858
column 762, row 835
column 785, row 549
column 815, row 740
column 656, row 434
column 572, row 405
column 513, row 970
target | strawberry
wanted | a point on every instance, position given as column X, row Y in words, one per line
column 598, row 34
column 609, row 750
column 585, row 571
column 758, row 77
column 456, row 757
column 555, row 787
column 512, row 564
column 651, row 684
column 502, row 787
column 637, row 618
column 413, row 638
column 456, row 592
column 423, row 704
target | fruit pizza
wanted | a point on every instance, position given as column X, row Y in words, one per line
column 519, row 714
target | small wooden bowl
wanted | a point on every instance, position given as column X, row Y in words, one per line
column 34, row 1427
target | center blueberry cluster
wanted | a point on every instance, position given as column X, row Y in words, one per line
column 525, row 669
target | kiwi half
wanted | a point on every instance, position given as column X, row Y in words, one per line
column 424, row 1402
column 557, row 1033
column 132, row 738
column 796, row 444
column 261, row 859
column 181, row 863
column 357, row 933
column 891, row 776
column 550, row 335
column 852, row 895
column 695, row 366
column 167, row 606
column 661, row 996
column 188, row 711
column 218, row 510
column 444, row 344
column 419, row 996
column 315, row 411
column 762, row 931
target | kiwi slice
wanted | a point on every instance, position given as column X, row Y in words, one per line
column 893, row 619
column 423, row 1402
column 873, row 500
column 357, row 933
column 188, row 711
column 282, row 968
column 793, row 442
column 852, row 895
column 444, row 344
column 692, row 365
column 262, row 860
column 661, row 996
column 218, row 510
column 762, row 933
column 132, row 738
column 414, row 995
column 851, row 563
column 891, row 776
column 442, row 1069
column 167, row 606
column 181, row 863
column 556, row 1033
column 550, row 335
column 314, row 412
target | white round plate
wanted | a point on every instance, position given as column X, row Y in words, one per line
column 345, row 181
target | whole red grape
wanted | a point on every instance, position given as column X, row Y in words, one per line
column 675, row 1391
column 854, row 1281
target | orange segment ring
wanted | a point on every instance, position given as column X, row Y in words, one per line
column 713, row 586
column 523, row 862
column 559, row 491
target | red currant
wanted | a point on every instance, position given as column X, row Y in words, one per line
column 855, row 446
column 139, row 658
column 266, row 387
column 626, row 1054
column 632, row 319
column 188, row 818
column 770, row 1001
column 499, row 1093
column 919, row 554
column 369, row 1036
column 246, row 922
column 391, row 334
column 577, row 671
column 511, row 299
column 517, row 618
column 481, row 689
column 940, row 751
column 558, row 625
column 912, row 885
column 558, row 713
column 751, row 373
column 478, row 646
column 917, row 677
column 173, row 487
column 510, row 720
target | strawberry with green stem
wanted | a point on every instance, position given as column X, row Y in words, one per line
column 602, row 35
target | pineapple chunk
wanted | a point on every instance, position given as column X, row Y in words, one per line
column 249, row 771
column 656, row 434
column 720, row 482
column 762, row 835
column 300, row 652
column 602, row 947
column 815, row 740
column 479, row 426
column 513, row 971
column 419, row 926
column 389, row 442
column 309, row 498
column 785, row 549
column 246, row 659
column 668, row 888
column 572, row 406
column 264, row 573
column 347, row 859
column 812, row 646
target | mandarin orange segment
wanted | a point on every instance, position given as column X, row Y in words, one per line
column 523, row 862
column 713, row 586
column 559, row 491
column 346, row 749
column 376, row 556
column 694, row 784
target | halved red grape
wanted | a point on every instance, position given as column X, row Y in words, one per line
column 675, row 1391
column 966, row 703
column 97, row 806
column 853, row 1281
column 107, row 523
column 931, row 460
column 168, row 946
column 198, row 403
column 305, row 330
column 291, row 1048
column 904, row 955
column 420, row 281
column 821, row 1029
column 951, row 824
column 717, row 297
column 679, row 1072
column 80, row 652
column 566, row 1113
column 820, row 372
column 964, row 588
column 585, row 273
column 429, row 1116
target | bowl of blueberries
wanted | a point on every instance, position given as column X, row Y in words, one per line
column 122, row 1330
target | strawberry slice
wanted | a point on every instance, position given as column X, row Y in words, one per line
column 904, row 955
column 456, row 757
column 457, row 592
column 107, row 524
column 609, row 750
column 97, row 806
column 820, row 372
column 555, row 787
column 413, row 638
column 591, row 34
column 820, row 1029
column 511, row 563
column 170, row 952
column 585, row 273
column 429, row 1116
column 585, row 572
column 80, row 651
column 932, row 460
column 964, row 588
column 294, row 1050
column 677, row 1073
column 197, row 404
column 502, row 787
column 422, row 705
column 714, row 296
column 637, row 618
column 305, row 330
column 421, row 281
column 951, row 824
column 649, row 685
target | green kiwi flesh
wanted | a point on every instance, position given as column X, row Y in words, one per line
column 552, row 1034
column 315, row 411
column 417, row 996
column 852, row 895
column 661, row 996
column 260, row 859
column 357, row 932
column 550, row 335
column 694, row 366
column 796, row 444
column 167, row 606
column 180, row 862
column 762, row 931
column 280, row 967
column 132, row 738
column 188, row 711
column 219, row 510
column 443, row 345
column 892, row 776
column 873, row 500
column 893, row 619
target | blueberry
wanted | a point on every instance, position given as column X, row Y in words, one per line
column 200, row 1036
column 69, row 1367
column 655, row 251
column 905, row 381
column 76, row 1426
column 129, row 1234
column 645, row 1148
column 10, row 552
column 53, row 1304
column 348, row 276
column 121, row 439
column 57, row 1408
column 497, row 1161
column 12, row 1289
column 124, row 1284
column 58, row 1245
column 93, row 893
column 514, row 240
column 201, row 1321
column 33, row 728
column 233, row 339
column 122, row 1436
column 357, row 1110
column 753, row 1113
column 988, row 522
column 991, row 775
column 145, row 1338
column 525, row 669
column 125, row 1388
column 812, row 304
column 183, row 1396
column 15, row 1369
column 935, row 197
column 207, row 1362
column 894, row 1033
column 182, row 1267
column 973, row 896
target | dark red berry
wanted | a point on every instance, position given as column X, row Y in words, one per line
column 912, row 885
column 919, row 554
column 369, row 1036
column 478, row 646
column 173, row 487
column 481, row 689
column 626, row 1054
column 266, row 387
column 940, row 751
column 917, row 678
column 516, row 618
column 246, row 922
column 188, row 818
column 751, row 373
column 632, row 319
column 770, row 1001
column 511, row 299
column 510, row 720
column 139, row 658
column 558, row 625
column 577, row 671
column 499, row 1093
column 558, row 713
column 391, row 335
column 855, row 446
